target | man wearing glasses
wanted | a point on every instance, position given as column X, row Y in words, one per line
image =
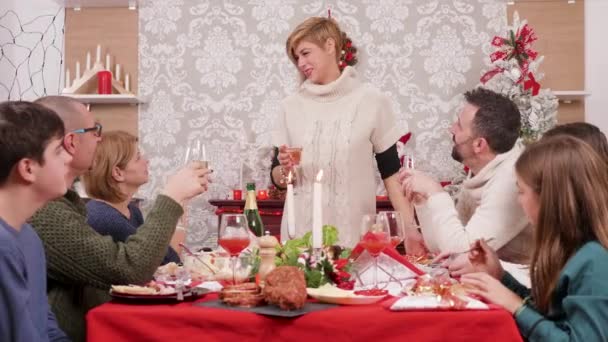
column 82, row 264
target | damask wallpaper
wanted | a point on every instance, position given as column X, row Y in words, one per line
column 216, row 70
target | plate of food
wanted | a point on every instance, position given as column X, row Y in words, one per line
column 154, row 292
column 333, row 295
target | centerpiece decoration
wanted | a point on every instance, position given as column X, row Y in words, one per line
column 332, row 266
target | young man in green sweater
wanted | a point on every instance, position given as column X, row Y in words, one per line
column 82, row 264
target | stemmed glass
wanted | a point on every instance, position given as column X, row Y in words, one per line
column 196, row 151
column 234, row 237
column 395, row 226
column 375, row 237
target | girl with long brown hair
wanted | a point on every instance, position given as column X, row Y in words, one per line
column 563, row 189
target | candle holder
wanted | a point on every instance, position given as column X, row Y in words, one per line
column 262, row 195
column 237, row 194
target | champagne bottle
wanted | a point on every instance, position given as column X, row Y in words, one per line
column 251, row 212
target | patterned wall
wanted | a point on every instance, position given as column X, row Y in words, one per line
column 216, row 70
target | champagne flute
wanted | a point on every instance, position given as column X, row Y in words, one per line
column 234, row 237
column 395, row 226
column 375, row 237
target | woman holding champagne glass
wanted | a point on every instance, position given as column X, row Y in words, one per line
column 341, row 124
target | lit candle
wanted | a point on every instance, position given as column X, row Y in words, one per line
column 77, row 70
column 204, row 153
column 67, row 78
column 127, row 83
column 88, row 61
column 108, row 62
column 98, row 57
column 317, row 212
column 289, row 205
column 117, row 74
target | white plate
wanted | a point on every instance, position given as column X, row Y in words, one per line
column 351, row 299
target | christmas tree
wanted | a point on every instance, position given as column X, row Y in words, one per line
column 514, row 73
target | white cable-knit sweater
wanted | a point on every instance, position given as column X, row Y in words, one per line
column 487, row 208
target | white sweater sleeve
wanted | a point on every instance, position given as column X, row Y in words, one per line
column 498, row 216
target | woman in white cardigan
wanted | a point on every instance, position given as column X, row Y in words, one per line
column 341, row 123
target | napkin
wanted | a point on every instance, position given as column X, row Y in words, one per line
column 212, row 286
column 433, row 302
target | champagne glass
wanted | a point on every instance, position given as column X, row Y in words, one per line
column 234, row 237
column 196, row 151
column 395, row 226
column 295, row 153
column 375, row 237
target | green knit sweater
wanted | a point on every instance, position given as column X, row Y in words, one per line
column 82, row 264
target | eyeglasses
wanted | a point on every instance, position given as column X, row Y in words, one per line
column 97, row 129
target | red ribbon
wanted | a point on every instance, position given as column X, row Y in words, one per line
column 532, row 84
column 518, row 46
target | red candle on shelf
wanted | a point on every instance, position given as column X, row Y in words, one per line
column 104, row 82
column 237, row 194
column 262, row 195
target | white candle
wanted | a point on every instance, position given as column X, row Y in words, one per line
column 204, row 154
column 127, row 82
column 290, row 206
column 317, row 212
column 117, row 74
column 108, row 62
column 67, row 78
column 88, row 61
column 98, row 57
column 240, row 185
column 77, row 70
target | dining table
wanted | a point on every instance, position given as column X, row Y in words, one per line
column 118, row 321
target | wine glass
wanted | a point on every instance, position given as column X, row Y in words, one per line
column 295, row 153
column 234, row 237
column 395, row 226
column 375, row 237
column 196, row 151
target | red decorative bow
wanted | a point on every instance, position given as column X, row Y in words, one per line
column 518, row 46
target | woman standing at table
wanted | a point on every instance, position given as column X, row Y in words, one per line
column 341, row 123
column 119, row 170
column 563, row 189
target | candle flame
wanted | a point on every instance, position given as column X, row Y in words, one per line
column 319, row 175
column 289, row 178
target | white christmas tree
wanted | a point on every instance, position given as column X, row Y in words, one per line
column 514, row 74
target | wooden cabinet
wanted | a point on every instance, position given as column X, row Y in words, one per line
column 271, row 211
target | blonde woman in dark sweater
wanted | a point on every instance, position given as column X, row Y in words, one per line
column 120, row 170
column 82, row 264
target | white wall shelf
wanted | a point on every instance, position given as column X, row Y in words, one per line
column 106, row 99
column 569, row 96
column 78, row 4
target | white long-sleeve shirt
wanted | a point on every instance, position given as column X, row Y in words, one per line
column 487, row 208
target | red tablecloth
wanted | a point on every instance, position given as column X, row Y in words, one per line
column 114, row 322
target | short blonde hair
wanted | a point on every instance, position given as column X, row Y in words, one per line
column 116, row 149
column 315, row 30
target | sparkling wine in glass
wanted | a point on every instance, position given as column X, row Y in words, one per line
column 196, row 151
column 375, row 237
column 234, row 237
column 295, row 153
